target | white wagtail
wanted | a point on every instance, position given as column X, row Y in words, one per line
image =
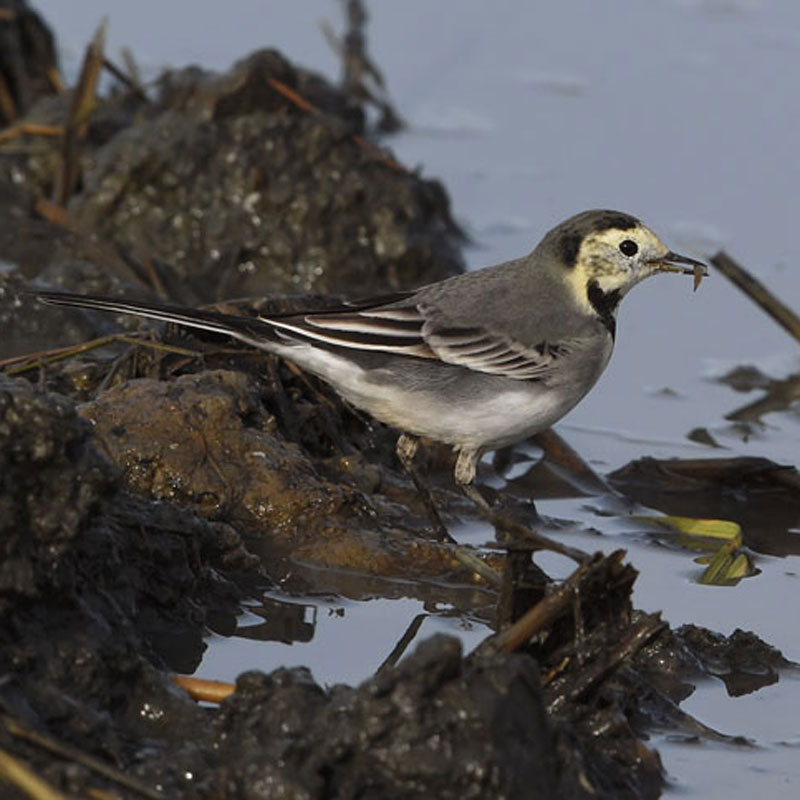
column 478, row 361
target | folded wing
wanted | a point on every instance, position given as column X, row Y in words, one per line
column 407, row 329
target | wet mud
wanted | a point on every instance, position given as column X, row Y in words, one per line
column 152, row 483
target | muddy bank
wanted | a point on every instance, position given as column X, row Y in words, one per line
column 216, row 186
column 139, row 477
column 104, row 592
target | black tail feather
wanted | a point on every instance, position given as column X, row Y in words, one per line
column 246, row 329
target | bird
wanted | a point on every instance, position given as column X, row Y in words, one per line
column 478, row 361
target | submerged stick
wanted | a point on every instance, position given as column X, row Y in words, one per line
column 521, row 534
column 758, row 293
column 561, row 453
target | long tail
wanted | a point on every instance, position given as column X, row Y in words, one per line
column 251, row 330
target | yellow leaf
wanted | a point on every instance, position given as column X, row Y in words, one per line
column 706, row 528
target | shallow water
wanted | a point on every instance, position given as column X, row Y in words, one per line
column 683, row 112
column 341, row 628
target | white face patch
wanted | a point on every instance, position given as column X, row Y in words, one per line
column 617, row 259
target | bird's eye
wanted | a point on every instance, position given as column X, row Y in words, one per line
column 628, row 247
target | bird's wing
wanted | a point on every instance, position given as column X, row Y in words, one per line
column 409, row 328
column 396, row 328
column 494, row 353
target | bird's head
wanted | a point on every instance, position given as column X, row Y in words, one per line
column 603, row 254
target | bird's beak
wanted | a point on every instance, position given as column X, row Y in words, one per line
column 672, row 262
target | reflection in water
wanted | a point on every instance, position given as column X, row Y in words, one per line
column 284, row 621
column 403, row 642
column 780, row 395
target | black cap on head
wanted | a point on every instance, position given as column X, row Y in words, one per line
column 566, row 238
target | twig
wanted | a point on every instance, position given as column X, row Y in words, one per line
column 641, row 634
column 520, row 533
column 35, row 360
column 56, row 81
column 358, row 68
column 8, row 108
column 131, row 66
column 523, row 581
column 402, row 644
column 471, row 561
column 318, row 395
column 540, row 616
column 293, row 97
column 204, row 690
column 73, row 754
column 54, row 354
column 561, row 453
column 23, row 778
column 758, row 293
column 99, row 250
column 548, row 608
column 83, row 103
column 153, row 276
column 124, row 79
column 30, row 129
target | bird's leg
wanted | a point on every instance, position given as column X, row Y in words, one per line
column 406, row 449
column 518, row 565
column 466, row 469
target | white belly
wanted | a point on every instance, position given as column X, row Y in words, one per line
column 487, row 421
